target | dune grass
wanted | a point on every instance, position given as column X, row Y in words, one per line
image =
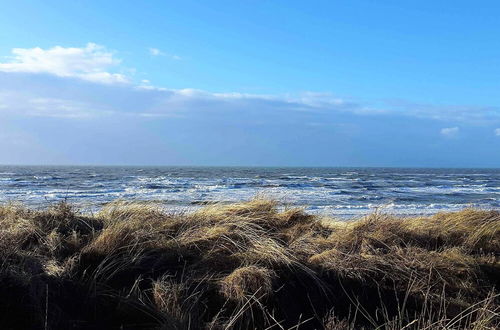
column 246, row 266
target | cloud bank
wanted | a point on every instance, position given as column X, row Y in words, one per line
column 80, row 105
column 95, row 64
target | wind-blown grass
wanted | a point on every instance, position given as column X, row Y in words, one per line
column 246, row 266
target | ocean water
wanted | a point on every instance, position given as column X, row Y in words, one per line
column 342, row 192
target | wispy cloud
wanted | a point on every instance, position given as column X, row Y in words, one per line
column 92, row 62
column 157, row 52
column 459, row 113
column 450, row 132
column 29, row 104
column 497, row 132
column 63, row 108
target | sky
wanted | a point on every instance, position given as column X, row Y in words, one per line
column 250, row 83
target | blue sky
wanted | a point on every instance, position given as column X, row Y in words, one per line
column 320, row 83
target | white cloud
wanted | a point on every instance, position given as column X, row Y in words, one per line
column 450, row 132
column 497, row 132
column 92, row 63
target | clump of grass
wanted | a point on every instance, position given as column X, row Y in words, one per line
column 246, row 266
column 247, row 281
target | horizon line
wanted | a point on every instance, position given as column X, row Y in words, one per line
column 252, row 166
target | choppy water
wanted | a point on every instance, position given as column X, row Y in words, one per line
column 335, row 191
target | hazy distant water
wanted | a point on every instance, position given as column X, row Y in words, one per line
column 334, row 191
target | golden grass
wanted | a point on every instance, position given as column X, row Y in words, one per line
column 247, row 281
column 246, row 265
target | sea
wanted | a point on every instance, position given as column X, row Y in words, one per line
column 338, row 192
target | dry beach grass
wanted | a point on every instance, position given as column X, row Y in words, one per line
column 246, row 266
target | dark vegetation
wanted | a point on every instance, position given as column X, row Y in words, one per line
column 246, row 266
